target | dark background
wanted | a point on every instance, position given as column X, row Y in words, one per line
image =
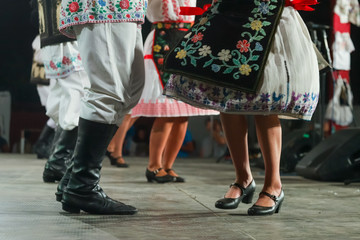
column 17, row 34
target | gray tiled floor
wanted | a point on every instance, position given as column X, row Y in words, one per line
column 312, row 210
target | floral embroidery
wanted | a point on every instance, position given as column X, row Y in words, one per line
column 157, row 48
column 228, row 61
column 102, row 3
column 74, row 6
column 243, row 45
column 228, row 100
column 91, row 11
column 124, row 4
column 245, row 69
column 224, row 55
column 181, row 54
column 256, row 25
column 63, row 66
column 197, row 37
column 166, row 35
column 204, row 50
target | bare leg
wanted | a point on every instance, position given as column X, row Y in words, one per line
column 268, row 129
column 174, row 142
column 124, row 127
column 159, row 136
column 235, row 129
column 119, row 136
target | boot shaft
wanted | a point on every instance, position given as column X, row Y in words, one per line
column 92, row 142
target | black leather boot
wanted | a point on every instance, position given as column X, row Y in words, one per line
column 63, row 182
column 42, row 146
column 60, row 159
column 83, row 191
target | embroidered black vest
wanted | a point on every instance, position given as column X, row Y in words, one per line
column 49, row 14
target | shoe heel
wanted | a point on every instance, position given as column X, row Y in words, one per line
column 58, row 196
column 70, row 209
column 149, row 179
column 248, row 199
column 49, row 179
column 278, row 208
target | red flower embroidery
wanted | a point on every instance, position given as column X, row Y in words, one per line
column 62, row 22
column 91, row 17
column 124, row 4
column 74, row 7
column 109, row 16
column 52, row 65
column 127, row 15
column 197, row 37
column 76, row 18
column 160, row 61
column 167, row 25
column 78, row 57
column 243, row 46
column 66, row 61
column 166, row 48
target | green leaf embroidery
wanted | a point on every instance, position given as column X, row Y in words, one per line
column 193, row 62
column 258, row 38
column 262, row 31
column 254, row 58
column 236, row 62
column 208, row 63
column 243, row 59
column 248, row 25
column 228, row 70
column 272, row 7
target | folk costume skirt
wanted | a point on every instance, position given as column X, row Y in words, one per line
column 290, row 81
column 152, row 102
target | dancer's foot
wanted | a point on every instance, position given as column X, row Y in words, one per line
column 159, row 175
column 120, row 162
column 234, row 191
column 264, row 200
column 176, row 177
column 235, row 195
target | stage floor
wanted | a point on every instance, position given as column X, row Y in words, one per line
column 311, row 210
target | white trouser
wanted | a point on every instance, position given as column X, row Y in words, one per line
column 112, row 55
column 63, row 104
column 43, row 92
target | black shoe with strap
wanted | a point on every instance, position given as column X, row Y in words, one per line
column 83, row 191
column 122, row 164
column 175, row 178
column 151, row 176
column 111, row 158
column 256, row 210
column 232, row 203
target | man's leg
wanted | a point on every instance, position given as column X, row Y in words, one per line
column 108, row 52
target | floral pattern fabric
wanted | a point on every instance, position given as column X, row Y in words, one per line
column 74, row 12
column 290, row 82
column 166, row 36
column 292, row 104
column 229, row 44
column 60, row 60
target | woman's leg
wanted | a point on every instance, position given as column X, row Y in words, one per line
column 159, row 136
column 174, row 143
column 268, row 129
column 235, row 129
column 116, row 145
